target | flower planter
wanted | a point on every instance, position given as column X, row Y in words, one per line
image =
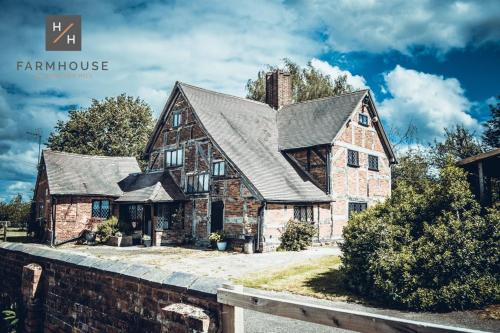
column 147, row 242
column 115, row 240
column 221, row 246
column 126, row 241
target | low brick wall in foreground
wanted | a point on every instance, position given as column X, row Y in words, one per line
column 60, row 292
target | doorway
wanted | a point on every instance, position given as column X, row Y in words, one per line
column 217, row 216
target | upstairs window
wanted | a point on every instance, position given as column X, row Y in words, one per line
column 363, row 119
column 174, row 157
column 303, row 213
column 197, row 183
column 356, row 207
column 352, row 158
column 373, row 162
column 218, row 168
column 101, row 209
column 176, row 119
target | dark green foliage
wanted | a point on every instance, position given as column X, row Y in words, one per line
column 491, row 135
column 107, row 229
column 16, row 211
column 115, row 126
column 9, row 319
column 458, row 143
column 297, row 236
column 426, row 248
column 307, row 83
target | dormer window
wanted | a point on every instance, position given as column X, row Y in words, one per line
column 176, row 119
column 363, row 119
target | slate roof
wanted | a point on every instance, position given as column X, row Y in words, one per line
column 315, row 122
column 77, row 174
column 150, row 187
column 247, row 133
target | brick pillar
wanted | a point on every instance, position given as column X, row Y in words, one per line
column 32, row 308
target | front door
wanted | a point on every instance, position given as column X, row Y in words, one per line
column 147, row 220
column 217, row 216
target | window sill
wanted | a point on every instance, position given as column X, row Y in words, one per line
column 371, row 169
column 364, row 125
column 353, row 165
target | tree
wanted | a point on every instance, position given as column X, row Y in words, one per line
column 16, row 211
column 307, row 83
column 427, row 248
column 115, row 126
column 458, row 143
column 413, row 168
column 491, row 135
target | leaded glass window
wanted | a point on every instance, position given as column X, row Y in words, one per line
column 373, row 162
column 101, row 209
column 197, row 183
column 356, row 207
column 303, row 213
column 352, row 158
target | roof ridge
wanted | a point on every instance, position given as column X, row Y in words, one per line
column 85, row 155
column 224, row 94
column 324, row 98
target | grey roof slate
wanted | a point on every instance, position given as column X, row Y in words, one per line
column 77, row 174
column 246, row 131
column 315, row 122
column 150, row 187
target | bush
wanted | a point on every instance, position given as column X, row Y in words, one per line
column 426, row 249
column 297, row 236
column 107, row 229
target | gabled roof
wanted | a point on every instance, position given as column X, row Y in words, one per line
column 77, row 174
column 246, row 132
column 315, row 122
column 150, row 187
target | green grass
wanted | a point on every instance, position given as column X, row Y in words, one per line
column 320, row 278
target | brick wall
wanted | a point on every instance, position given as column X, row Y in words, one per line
column 81, row 294
column 357, row 184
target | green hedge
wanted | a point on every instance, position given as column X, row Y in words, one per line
column 430, row 248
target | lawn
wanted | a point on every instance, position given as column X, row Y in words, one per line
column 319, row 278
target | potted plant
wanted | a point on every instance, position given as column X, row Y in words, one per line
column 115, row 239
column 146, row 240
column 219, row 238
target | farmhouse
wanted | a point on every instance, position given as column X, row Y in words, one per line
column 220, row 162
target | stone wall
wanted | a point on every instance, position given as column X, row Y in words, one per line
column 63, row 292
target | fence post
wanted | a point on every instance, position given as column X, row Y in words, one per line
column 32, row 305
column 5, row 231
column 232, row 317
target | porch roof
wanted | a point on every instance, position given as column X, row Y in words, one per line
column 150, row 187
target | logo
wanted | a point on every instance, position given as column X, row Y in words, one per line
column 63, row 33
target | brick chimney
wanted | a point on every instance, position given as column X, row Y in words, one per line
column 278, row 89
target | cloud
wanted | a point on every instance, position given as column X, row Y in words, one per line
column 428, row 102
column 357, row 81
column 379, row 26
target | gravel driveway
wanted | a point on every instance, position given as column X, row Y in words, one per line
column 202, row 262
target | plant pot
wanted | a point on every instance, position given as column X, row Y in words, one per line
column 126, row 241
column 221, row 246
column 147, row 242
column 114, row 240
column 90, row 236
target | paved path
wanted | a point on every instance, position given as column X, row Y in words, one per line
column 202, row 262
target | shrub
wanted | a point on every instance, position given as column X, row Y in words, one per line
column 107, row 229
column 217, row 236
column 297, row 235
column 426, row 249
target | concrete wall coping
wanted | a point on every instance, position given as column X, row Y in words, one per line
column 179, row 281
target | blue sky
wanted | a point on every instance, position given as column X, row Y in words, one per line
column 429, row 63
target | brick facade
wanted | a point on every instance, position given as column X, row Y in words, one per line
column 73, row 293
column 240, row 208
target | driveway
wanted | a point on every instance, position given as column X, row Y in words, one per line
column 202, row 262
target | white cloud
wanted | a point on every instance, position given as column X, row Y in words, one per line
column 428, row 102
column 378, row 26
column 357, row 81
